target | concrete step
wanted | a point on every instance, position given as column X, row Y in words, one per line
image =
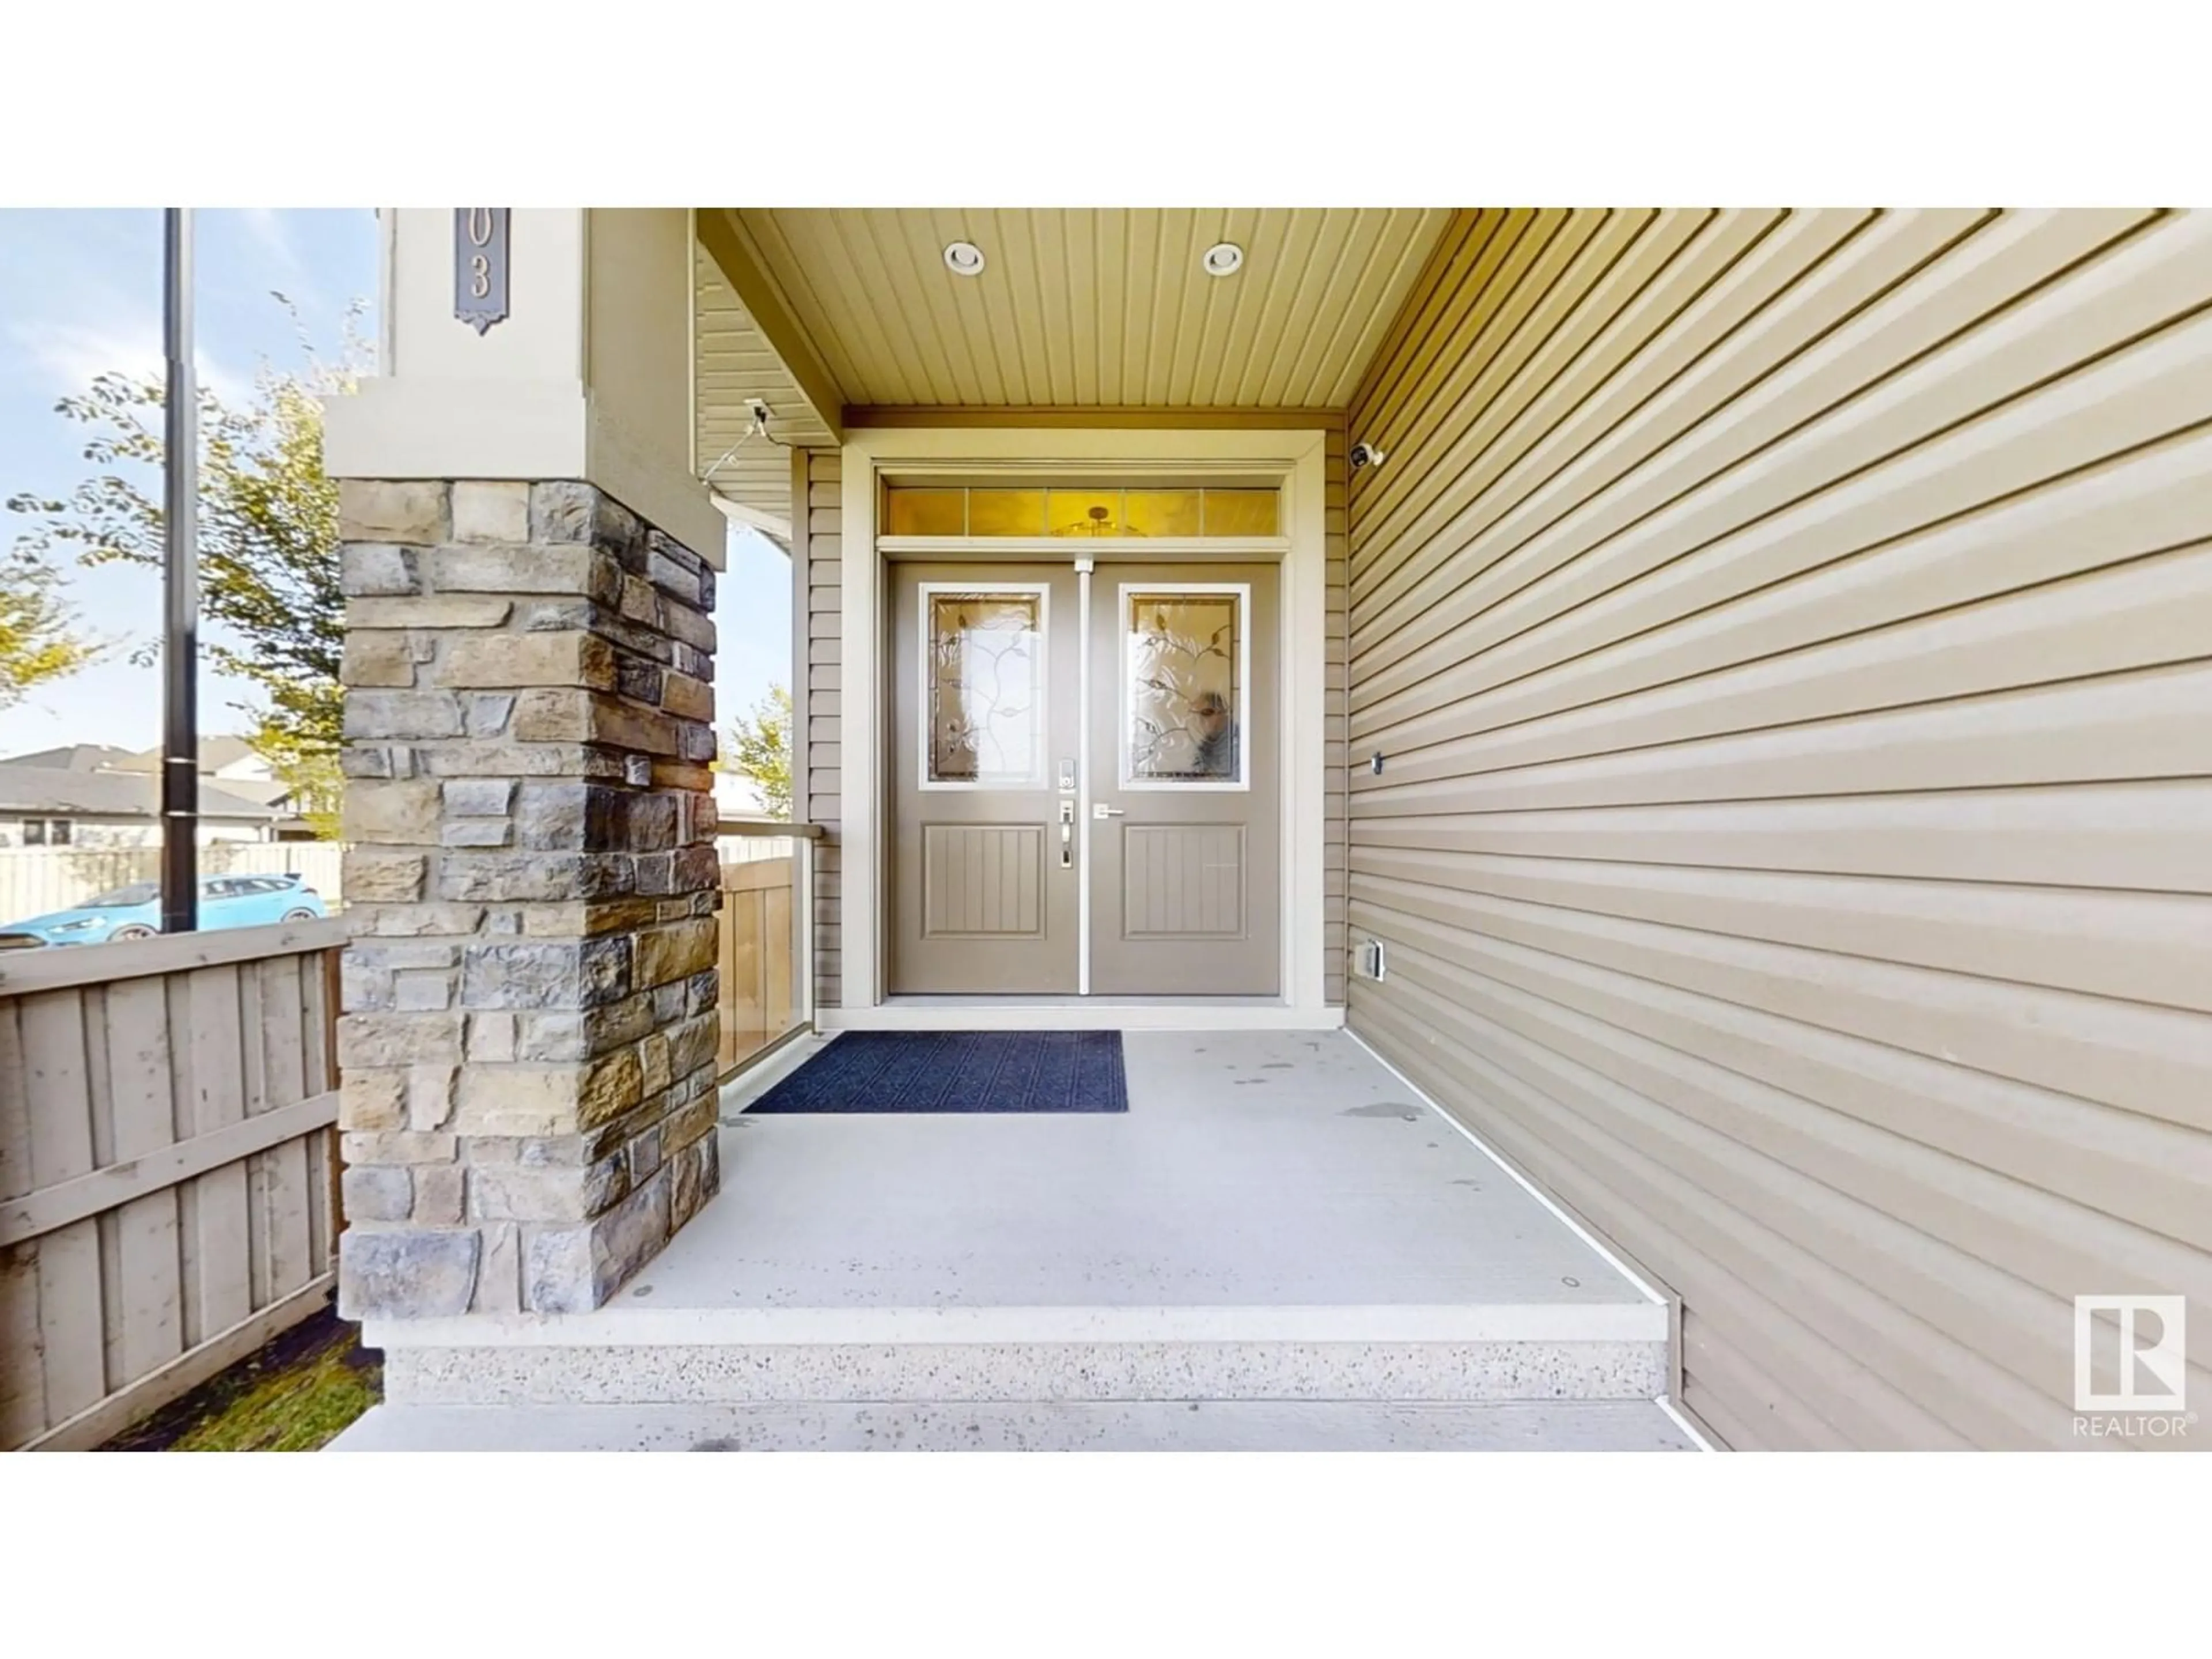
column 1064, row 1425
column 634, row 1356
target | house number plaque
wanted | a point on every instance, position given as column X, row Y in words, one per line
column 480, row 266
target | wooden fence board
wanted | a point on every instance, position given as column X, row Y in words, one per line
column 253, row 1054
column 166, row 1170
column 754, row 956
column 225, row 1292
column 257, row 1230
column 14, row 1108
column 22, row 1384
column 776, row 932
column 147, row 1267
column 290, row 1260
column 282, row 1040
column 112, row 1185
column 22, row 972
column 322, row 1228
column 191, row 1317
column 73, row 1334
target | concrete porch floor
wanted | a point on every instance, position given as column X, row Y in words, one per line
column 1261, row 1170
column 1279, row 1245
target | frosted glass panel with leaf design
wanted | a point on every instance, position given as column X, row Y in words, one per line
column 1183, row 655
column 985, row 664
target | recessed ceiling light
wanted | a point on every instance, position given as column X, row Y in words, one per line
column 964, row 258
column 1224, row 259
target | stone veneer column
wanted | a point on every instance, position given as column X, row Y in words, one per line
column 530, row 1023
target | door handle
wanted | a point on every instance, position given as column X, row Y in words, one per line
column 1100, row 810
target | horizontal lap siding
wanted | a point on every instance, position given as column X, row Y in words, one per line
column 821, row 551
column 1791, row 640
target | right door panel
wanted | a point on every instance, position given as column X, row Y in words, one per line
column 1185, row 833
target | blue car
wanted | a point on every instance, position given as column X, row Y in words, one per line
column 134, row 911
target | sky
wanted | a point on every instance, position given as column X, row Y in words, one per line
column 81, row 293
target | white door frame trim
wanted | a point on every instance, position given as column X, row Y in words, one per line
column 1084, row 569
column 1297, row 457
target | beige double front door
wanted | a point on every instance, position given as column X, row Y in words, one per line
column 1084, row 779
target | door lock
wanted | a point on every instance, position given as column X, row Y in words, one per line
column 1067, row 777
column 1100, row 810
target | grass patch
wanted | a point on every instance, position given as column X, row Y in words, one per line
column 295, row 1395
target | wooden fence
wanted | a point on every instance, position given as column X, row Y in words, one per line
column 167, row 1167
column 35, row 881
column 755, row 957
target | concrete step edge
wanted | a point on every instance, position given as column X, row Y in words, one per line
column 1047, row 1426
column 628, row 1323
column 733, row 1373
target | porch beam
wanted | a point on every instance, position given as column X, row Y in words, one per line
column 731, row 250
column 777, row 530
column 1105, row 417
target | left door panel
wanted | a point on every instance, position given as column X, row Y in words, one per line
column 986, row 720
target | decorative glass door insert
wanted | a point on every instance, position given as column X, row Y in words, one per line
column 1186, row 699
column 983, row 671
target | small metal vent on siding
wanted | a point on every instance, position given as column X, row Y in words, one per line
column 1371, row 958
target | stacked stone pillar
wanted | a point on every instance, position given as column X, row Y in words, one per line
column 528, row 1042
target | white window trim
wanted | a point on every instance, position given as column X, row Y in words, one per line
column 1296, row 459
column 1124, row 777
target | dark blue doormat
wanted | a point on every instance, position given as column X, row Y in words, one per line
column 957, row 1071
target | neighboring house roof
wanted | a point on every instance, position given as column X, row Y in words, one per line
column 83, row 757
column 267, row 792
column 215, row 754
column 62, row 792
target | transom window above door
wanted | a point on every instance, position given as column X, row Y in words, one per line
column 1208, row 513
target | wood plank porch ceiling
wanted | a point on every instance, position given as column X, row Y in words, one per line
column 1094, row 307
column 1082, row 308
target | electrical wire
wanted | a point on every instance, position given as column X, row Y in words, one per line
column 757, row 429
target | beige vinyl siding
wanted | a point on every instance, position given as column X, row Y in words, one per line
column 1790, row 639
column 818, row 550
column 733, row 362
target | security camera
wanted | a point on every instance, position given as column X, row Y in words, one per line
column 1366, row 454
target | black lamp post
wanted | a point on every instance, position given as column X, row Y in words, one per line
column 180, row 763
